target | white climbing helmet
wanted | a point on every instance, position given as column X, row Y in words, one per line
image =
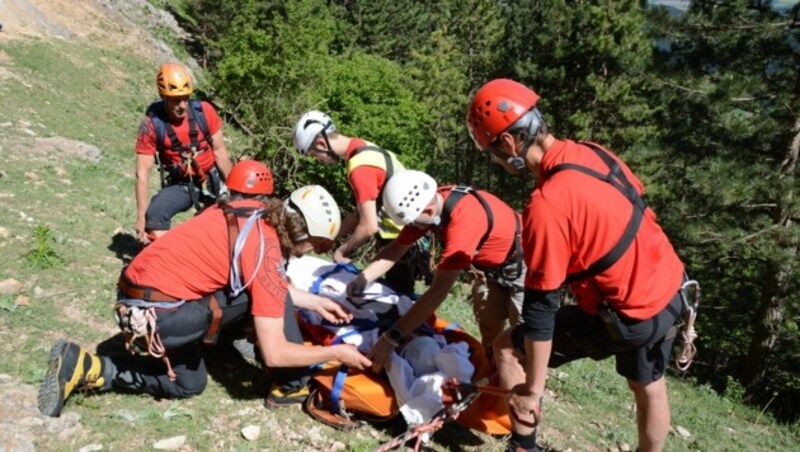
column 311, row 124
column 318, row 208
column 406, row 194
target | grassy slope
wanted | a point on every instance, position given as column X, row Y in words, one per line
column 79, row 91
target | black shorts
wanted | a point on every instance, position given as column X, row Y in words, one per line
column 168, row 202
column 642, row 352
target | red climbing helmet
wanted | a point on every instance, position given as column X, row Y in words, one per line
column 251, row 177
column 495, row 107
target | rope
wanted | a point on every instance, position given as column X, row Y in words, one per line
column 416, row 432
column 143, row 324
column 688, row 350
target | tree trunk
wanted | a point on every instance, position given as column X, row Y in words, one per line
column 778, row 282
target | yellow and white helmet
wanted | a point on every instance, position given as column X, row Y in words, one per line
column 318, row 208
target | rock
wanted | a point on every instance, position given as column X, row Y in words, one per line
column 624, row 447
column 22, row 300
column 91, row 448
column 38, row 291
column 682, row 432
column 31, row 421
column 4, row 233
column 251, row 432
column 10, row 287
column 30, row 175
column 337, row 446
column 5, row 378
column 3, row 174
column 170, row 443
column 60, row 172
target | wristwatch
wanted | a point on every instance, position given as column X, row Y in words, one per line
column 394, row 336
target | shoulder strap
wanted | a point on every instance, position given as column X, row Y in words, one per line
column 156, row 112
column 386, row 157
column 456, row 194
column 199, row 115
column 617, row 179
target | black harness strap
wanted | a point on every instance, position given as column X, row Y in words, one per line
column 456, row 194
column 616, row 178
column 389, row 163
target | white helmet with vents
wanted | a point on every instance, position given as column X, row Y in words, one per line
column 406, row 194
column 311, row 124
column 319, row 209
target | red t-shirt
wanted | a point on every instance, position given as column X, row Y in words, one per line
column 365, row 180
column 468, row 223
column 573, row 219
column 146, row 138
column 192, row 261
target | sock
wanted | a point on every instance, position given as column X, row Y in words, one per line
column 527, row 442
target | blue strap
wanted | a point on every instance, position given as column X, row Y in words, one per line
column 348, row 267
column 336, row 390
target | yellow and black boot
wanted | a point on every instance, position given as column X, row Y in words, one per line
column 70, row 368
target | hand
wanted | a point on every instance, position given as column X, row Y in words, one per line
column 350, row 356
column 355, row 289
column 331, row 311
column 141, row 234
column 381, row 353
column 525, row 406
column 341, row 255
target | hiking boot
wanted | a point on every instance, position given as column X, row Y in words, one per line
column 70, row 368
column 281, row 396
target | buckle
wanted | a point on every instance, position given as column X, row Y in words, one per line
column 466, row 189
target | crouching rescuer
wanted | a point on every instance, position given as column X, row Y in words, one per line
column 182, row 136
column 209, row 273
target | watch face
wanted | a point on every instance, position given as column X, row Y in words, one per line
column 395, row 334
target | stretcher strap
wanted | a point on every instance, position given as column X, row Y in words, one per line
column 317, row 284
column 336, row 390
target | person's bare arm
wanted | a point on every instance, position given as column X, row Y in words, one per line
column 144, row 166
column 367, row 227
column 278, row 352
column 221, row 156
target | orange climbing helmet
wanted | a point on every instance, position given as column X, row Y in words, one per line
column 174, row 80
column 496, row 106
column 251, row 177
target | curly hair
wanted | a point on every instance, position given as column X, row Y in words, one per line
column 290, row 227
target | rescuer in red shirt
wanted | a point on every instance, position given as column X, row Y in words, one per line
column 475, row 228
column 587, row 226
column 210, row 272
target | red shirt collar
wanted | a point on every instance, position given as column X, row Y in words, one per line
column 552, row 157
